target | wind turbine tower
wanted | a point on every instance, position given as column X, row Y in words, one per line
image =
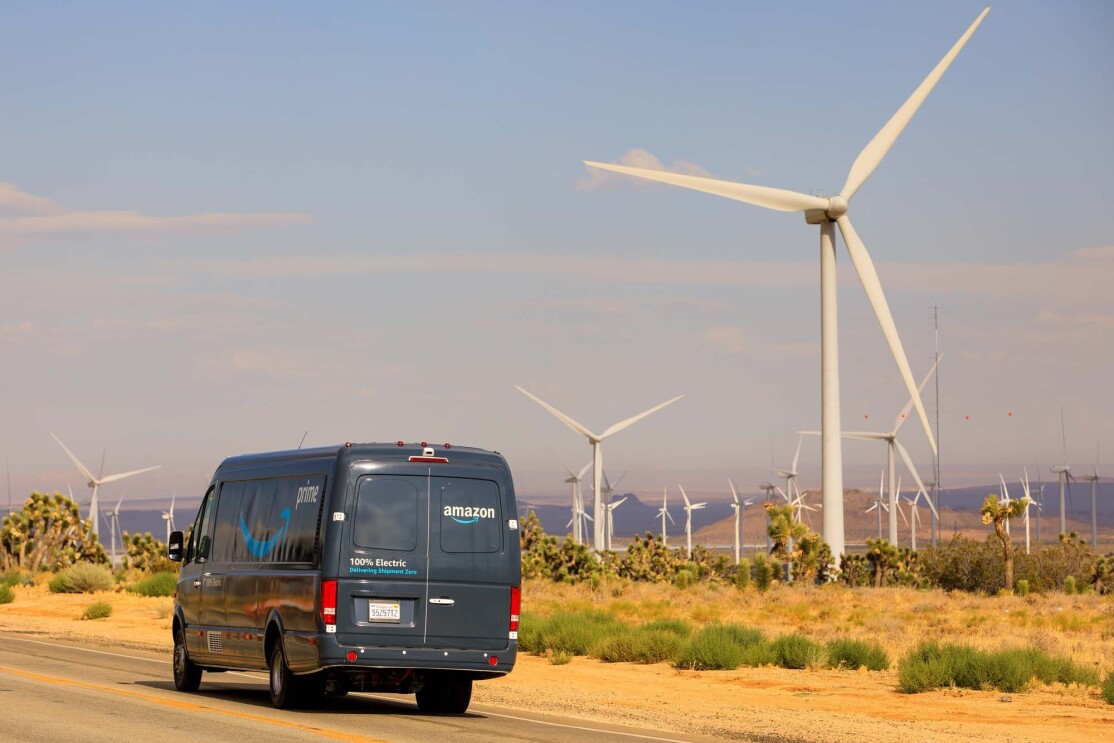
column 827, row 213
column 689, row 508
column 664, row 513
column 1093, row 478
column 740, row 508
column 95, row 481
column 599, row 526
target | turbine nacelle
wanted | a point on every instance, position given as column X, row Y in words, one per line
column 837, row 207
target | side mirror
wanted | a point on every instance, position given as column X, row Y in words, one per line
column 174, row 548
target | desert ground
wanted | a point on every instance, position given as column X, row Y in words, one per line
column 761, row 704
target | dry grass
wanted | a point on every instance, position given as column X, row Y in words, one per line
column 1080, row 627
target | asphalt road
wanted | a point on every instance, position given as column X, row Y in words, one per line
column 52, row 692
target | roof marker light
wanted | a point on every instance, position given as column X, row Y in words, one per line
column 402, row 443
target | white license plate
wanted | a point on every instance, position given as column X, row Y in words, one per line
column 379, row 611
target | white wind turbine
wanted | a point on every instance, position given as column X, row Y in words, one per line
column 168, row 516
column 1028, row 502
column 1063, row 474
column 576, row 519
column 770, row 489
column 689, row 508
column 610, row 510
column 95, row 481
column 894, row 446
column 792, row 492
column 664, row 513
column 915, row 514
column 113, row 517
column 1093, row 478
column 597, row 454
column 740, row 508
column 824, row 211
column 880, row 504
column 608, row 489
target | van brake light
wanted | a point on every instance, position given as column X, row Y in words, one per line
column 516, row 606
column 329, row 605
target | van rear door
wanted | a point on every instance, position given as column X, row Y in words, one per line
column 470, row 570
column 427, row 560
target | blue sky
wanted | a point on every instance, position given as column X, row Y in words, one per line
column 225, row 225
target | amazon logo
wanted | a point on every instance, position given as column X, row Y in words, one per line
column 264, row 547
column 468, row 514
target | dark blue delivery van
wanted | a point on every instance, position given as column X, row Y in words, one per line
column 362, row 567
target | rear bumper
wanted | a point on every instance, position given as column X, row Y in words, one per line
column 321, row 651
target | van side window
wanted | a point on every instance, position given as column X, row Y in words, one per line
column 269, row 520
column 199, row 535
column 470, row 515
column 386, row 514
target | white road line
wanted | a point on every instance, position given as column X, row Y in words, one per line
column 373, row 696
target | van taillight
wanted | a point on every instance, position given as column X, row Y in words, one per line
column 516, row 607
column 329, row 605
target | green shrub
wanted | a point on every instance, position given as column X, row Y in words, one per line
column 159, row 584
column 576, row 632
column 763, row 572
column 1069, row 584
column 677, row 627
column 855, row 654
column 7, row 595
column 656, row 646
column 15, row 578
column 619, row 648
column 759, row 654
column 529, row 634
column 796, row 651
column 1108, row 688
column 742, row 574
column 1022, row 586
column 932, row 666
column 923, row 669
column 97, row 610
column 559, row 657
column 82, row 578
column 684, row 578
column 718, row 647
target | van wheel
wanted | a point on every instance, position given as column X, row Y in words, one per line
column 187, row 674
column 445, row 695
column 282, row 681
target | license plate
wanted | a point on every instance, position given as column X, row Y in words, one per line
column 380, row 611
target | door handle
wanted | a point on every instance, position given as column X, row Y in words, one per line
column 442, row 602
column 197, row 584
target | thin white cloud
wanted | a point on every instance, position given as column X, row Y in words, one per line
column 36, row 215
column 14, row 200
column 1094, row 254
column 595, row 179
column 1068, row 279
column 729, row 338
column 1080, row 320
column 15, row 331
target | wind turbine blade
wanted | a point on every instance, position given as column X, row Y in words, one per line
column 1005, row 490
column 877, row 148
column 685, row 496
column 734, row 493
column 771, row 198
column 866, row 435
column 77, row 462
column 869, row 278
column 634, row 419
column 616, row 504
column 670, row 517
column 782, row 493
column 583, row 469
column 122, row 475
column 901, row 417
column 916, row 477
column 797, row 455
column 560, row 416
column 620, row 479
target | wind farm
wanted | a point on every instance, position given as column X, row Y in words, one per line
column 426, row 215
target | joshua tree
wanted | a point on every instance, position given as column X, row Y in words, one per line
column 785, row 533
column 995, row 512
column 48, row 533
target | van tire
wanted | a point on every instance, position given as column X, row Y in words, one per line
column 187, row 674
column 445, row 695
column 282, row 684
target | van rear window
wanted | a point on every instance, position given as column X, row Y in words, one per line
column 386, row 514
column 470, row 516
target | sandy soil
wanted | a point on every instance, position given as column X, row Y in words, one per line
column 765, row 704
